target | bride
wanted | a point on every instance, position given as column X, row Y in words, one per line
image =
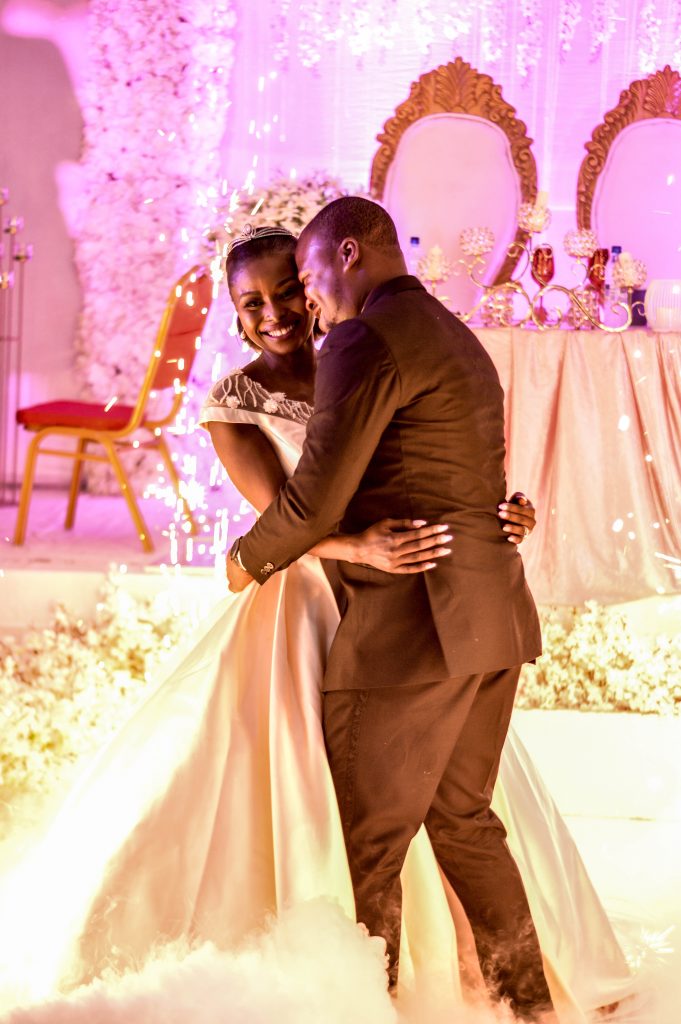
column 214, row 806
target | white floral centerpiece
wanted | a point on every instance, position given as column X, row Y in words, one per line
column 580, row 243
column 476, row 241
column 629, row 272
column 435, row 268
column 534, row 217
column 285, row 202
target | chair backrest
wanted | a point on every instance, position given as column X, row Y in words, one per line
column 454, row 155
column 629, row 185
column 177, row 342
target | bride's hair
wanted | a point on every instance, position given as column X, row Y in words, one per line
column 255, row 243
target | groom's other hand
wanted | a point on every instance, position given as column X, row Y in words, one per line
column 518, row 516
column 237, row 576
column 402, row 545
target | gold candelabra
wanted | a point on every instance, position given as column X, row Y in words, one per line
column 587, row 302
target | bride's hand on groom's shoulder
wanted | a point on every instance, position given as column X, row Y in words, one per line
column 402, row 545
column 518, row 517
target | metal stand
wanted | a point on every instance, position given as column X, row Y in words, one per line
column 13, row 260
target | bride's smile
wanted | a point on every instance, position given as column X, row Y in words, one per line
column 270, row 303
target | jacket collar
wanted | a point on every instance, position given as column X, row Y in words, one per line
column 404, row 283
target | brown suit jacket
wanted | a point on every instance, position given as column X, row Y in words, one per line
column 408, row 423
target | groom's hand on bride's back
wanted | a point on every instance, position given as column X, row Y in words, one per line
column 412, row 545
column 402, row 545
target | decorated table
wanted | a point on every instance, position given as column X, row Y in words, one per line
column 594, row 437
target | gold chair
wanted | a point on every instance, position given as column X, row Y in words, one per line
column 628, row 185
column 455, row 155
column 111, row 426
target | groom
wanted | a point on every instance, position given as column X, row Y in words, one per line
column 423, row 670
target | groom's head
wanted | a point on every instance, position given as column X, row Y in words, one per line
column 349, row 248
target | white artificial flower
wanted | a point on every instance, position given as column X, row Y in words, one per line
column 126, row 160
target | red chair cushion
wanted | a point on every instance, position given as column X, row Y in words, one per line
column 88, row 415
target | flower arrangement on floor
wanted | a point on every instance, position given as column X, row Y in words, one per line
column 595, row 662
column 66, row 689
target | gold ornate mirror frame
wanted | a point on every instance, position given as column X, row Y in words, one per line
column 457, row 88
column 659, row 95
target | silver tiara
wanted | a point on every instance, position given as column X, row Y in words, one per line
column 249, row 233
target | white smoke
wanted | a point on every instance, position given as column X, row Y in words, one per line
column 314, row 966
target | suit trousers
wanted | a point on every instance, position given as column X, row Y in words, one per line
column 429, row 753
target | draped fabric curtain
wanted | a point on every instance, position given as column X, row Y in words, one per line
column 594, row 437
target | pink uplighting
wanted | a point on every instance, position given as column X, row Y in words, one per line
column 529, row 155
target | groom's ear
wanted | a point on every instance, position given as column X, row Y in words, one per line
column 348, row 252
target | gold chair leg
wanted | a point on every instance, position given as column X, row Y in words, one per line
column 75, row 483
column 175, row 481
column 26, row 490
column 128, row 494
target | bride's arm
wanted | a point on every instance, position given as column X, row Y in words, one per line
column 250, row 461
column 392, row 545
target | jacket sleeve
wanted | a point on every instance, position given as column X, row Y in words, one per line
column 357, row 390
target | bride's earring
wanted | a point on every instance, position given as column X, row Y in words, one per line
column 240, row 331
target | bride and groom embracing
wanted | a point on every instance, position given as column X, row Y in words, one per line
column 422, row 672
column 225, row 800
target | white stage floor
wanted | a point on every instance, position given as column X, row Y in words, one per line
column 617, row 781
column 55, row 565
column 103, row 534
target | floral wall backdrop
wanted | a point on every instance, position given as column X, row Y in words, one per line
column 154, row 108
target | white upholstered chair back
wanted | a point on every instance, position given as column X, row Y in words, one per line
column 454, row 156
column 453, row 171
column 629, row 189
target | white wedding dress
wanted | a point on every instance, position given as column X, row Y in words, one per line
column 213, row 807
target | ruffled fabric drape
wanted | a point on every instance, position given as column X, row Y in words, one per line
column 594, row 437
